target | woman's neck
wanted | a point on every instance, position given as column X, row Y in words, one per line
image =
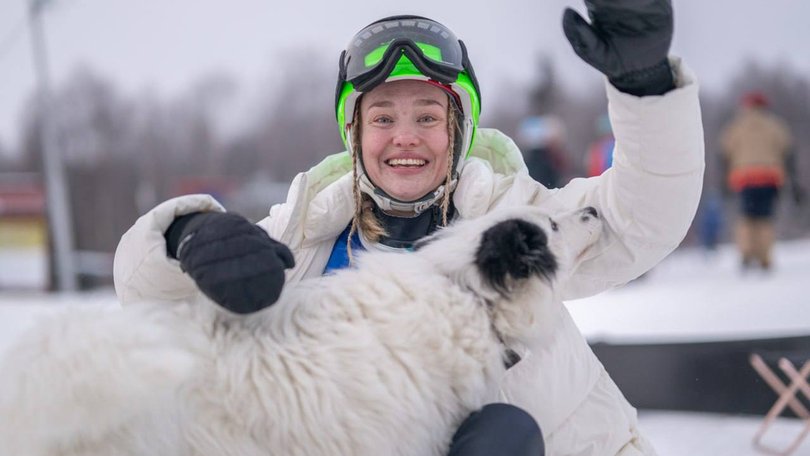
column 403, row 229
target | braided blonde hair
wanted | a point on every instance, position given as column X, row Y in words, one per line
column 364, row 219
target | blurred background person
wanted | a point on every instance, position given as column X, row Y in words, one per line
column 711, row 221
column 757, row 159
column 600, row 153
column 542, row 140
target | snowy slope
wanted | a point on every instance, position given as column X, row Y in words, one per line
column 691, row 296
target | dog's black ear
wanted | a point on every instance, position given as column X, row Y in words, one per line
column 514, row 248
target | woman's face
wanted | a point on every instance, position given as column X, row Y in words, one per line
column 404, row 138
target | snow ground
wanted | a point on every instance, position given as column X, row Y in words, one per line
column 688, row 297
column 695, row 297
column 712, row 434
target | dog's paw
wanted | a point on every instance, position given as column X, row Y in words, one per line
column 515, row 249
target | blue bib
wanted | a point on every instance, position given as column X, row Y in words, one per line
column 339, row 258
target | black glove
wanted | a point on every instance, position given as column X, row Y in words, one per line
column 233, row 261
column 627, row 40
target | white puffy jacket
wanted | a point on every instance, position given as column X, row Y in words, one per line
column 648, row 199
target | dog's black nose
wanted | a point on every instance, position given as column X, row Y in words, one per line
column 590, row 210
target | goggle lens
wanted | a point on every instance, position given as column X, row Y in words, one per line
column 431, row 52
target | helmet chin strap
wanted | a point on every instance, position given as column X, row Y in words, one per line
column 388, row 203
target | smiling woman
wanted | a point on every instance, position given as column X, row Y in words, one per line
column 407, row 105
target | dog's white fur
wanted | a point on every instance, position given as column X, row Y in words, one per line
column 385, row 359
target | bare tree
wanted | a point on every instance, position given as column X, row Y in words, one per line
column 296, row 128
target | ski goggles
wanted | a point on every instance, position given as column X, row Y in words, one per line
column 373, row 53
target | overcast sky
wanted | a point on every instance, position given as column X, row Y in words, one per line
column 165, row 45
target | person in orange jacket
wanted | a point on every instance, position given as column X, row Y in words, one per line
column 758, row 159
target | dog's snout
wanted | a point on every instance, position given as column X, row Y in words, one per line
column 590, row 210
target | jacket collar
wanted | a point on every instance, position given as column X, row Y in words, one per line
column 325, row 191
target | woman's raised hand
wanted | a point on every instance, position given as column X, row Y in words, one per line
column 627, row 40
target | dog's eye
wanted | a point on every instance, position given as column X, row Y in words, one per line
column 554, row 226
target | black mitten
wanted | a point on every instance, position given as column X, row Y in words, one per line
column 233, row 261
column 627, row 40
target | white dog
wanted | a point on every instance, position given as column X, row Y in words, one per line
column 385, row 359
